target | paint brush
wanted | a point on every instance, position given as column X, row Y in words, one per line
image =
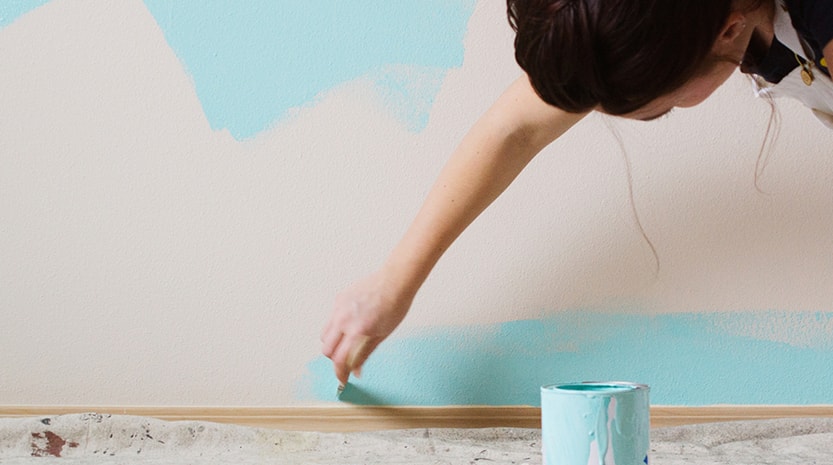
column 351, row 362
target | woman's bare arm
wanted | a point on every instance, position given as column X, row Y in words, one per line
column 489, row 158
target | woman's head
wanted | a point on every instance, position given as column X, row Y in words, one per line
column 620, row 55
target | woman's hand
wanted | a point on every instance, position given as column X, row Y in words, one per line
column 363, row 316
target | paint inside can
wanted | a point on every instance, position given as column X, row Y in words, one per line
column 595, row 423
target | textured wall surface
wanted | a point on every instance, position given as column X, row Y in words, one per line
column 184, row 186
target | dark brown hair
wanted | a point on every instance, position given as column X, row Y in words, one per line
column 617, row 55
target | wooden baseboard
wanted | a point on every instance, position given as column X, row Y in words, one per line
column 355, row 418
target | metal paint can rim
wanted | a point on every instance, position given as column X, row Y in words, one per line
column 594, row 388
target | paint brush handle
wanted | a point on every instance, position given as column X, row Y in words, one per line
column 360, row 348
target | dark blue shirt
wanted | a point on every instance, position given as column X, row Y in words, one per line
column 813, row 20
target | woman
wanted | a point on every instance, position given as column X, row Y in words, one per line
column 635, row 59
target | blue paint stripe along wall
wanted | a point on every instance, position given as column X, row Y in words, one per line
column 764, row 357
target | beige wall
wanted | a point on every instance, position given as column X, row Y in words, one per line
column 146, row 259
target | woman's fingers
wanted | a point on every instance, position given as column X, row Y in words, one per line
column 353, row 350
column 361, row 353
column 351, row 354
column 330, row 344
column 331, row 338
column 342, row 356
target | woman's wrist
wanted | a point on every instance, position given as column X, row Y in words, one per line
column 404, row 277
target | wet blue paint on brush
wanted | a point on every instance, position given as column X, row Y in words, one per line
column 251, row 62
column 688, row 359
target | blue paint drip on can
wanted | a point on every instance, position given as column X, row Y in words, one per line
column 595, row 423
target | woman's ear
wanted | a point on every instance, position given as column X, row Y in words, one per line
column 733, row 30
column 734, row 37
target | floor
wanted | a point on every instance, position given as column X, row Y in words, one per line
column 118, row 439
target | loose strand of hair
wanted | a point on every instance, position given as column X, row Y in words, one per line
column 632, row 201
column 773, row 128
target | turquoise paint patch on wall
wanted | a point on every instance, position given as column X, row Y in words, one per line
column 408, row 92
column 253, row 61
column 10, row 10
column 688, row 359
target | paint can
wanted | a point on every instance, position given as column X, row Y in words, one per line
column 595, row 423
